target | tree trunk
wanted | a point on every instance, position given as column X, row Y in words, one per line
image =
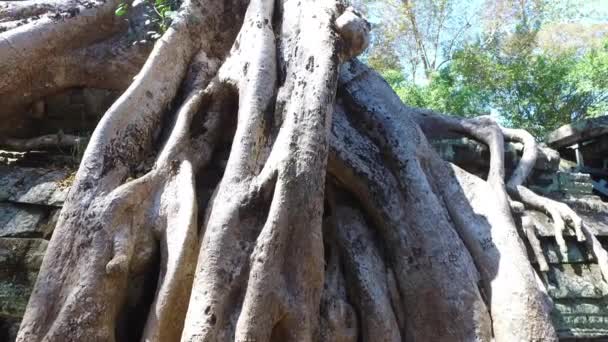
column 332, row 219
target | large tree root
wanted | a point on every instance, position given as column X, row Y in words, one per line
column 561, row 214
column 403, row 247
column 491, row 238
column 489, row 132
column 424, row 250
column 47, row 46
column 108, row 227
column 368, row 275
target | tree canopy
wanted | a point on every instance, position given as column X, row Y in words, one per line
column 533, row 64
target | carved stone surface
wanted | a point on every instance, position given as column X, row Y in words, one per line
column 574, row 281
column 580, row 298
column 585, row 145
column 33, row 187
column 575, row 183
column 20, row 261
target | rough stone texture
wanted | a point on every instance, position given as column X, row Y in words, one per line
column 33, row 185
column 20, row 261
column 596, row 221
column 23, row 220
column 30, row 200
column 580, row 297
column 575, row 282
column 475, row 158
column 575, row 183
column 584, row 146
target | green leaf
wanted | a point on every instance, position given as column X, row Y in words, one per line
column 121, row 10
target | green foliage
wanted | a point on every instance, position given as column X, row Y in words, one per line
column 415, row 35
column 165, row 11
column 538, row 92
column 445, row 93
column 536, row 64
column 122, row 9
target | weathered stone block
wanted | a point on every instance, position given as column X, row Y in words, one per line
column 474, row 156
column 18, row 220
column 591, row 210
column 571, row 281
column 578, row 318
column 33, row 185
column 544, row 225
column 579, row 293
column 578, row 131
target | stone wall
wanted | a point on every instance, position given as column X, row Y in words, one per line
column 30, row 200
column 574, row 282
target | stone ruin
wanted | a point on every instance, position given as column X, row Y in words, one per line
column 572, row 168
column 34, row 184
column 583, row 147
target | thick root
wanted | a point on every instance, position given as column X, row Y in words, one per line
column 367, row 275
column 35, row 57
column 339, row 321
column 529, row 230
column 259, row 273
column 108, row 228
column 498, row 253
column 424, row 256
column 267, row 284
column 560, row 213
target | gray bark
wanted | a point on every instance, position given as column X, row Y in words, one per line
column 333, row 218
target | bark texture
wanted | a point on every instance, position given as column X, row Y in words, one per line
column 254, row 182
